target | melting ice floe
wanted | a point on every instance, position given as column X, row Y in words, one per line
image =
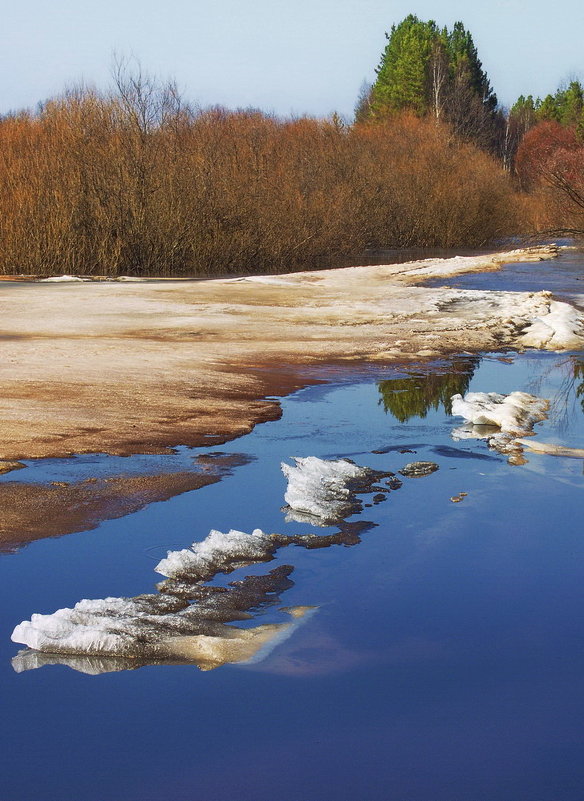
column 557, row 327
column 218, row 553
column 325, row 491
column 500, row 419
column 187, row 620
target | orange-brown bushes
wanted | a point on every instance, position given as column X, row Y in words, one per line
column 550, row 165
column 135, row 183
column 426, row 189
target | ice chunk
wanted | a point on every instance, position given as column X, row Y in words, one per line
column 218, row 553
column 187, row 620
column 322, row 488
column 155, row 627
column 514, row 414
column 205, row 651
column 500, row 419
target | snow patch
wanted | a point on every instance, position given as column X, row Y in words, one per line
column 560, row 328
column 55, row 279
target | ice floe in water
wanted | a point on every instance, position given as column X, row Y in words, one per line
column 188, row 620
column 218, row 553
column 160, row 627
column 557, row 327
column 500, row 419
column 324, row 492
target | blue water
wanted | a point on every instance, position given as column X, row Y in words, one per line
column 445, row 661
column 564, row 276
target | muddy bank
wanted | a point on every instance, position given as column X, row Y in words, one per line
column 139, row 367
column 34, row 511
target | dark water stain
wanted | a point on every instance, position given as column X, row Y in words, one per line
column 459, row 453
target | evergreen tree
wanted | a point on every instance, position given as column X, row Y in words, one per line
column 547, row 109
column 467, row 66
column 428, row 70
column 570, row 104
column 402, row 74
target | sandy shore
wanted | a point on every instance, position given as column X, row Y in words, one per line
column 141, row 366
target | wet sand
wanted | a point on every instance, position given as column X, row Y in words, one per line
column 139, row 367
column 34, row 511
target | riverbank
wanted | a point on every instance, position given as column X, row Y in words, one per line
column 140, row 367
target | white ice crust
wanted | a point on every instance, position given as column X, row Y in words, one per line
column 318, row 487
column 148, row 624
column 217, row 553
column 56, row 279
column 500, row 419
column 559, row 329
column 108, row 626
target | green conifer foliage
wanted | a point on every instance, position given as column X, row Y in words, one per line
column 570, row 104
column 430, row 70
column 566, row 107
column 466, row 63
column 402, row 74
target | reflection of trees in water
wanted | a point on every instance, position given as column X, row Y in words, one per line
column 570, row 389
column 417, row 393
column 578, row 368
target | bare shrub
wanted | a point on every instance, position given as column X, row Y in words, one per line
column 136, row 182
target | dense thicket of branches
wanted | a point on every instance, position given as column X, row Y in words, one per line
column 550, row 165
column 134, row 182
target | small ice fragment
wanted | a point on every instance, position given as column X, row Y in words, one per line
column 218, row 553
column 321, row 488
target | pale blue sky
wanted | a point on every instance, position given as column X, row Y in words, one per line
column 288, row 56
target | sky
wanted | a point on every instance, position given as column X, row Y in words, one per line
column 284, row 56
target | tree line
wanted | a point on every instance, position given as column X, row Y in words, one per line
column 134, row 180
column 435, row 72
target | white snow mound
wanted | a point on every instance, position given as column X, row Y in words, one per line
column 561, row 328
column 56, row 279
column 101, row 626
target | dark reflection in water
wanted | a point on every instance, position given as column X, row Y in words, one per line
column 578, row 367
column 425, row 389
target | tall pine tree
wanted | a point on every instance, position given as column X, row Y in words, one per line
column 431, row 70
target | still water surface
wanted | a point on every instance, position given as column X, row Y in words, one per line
column 444, row 662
